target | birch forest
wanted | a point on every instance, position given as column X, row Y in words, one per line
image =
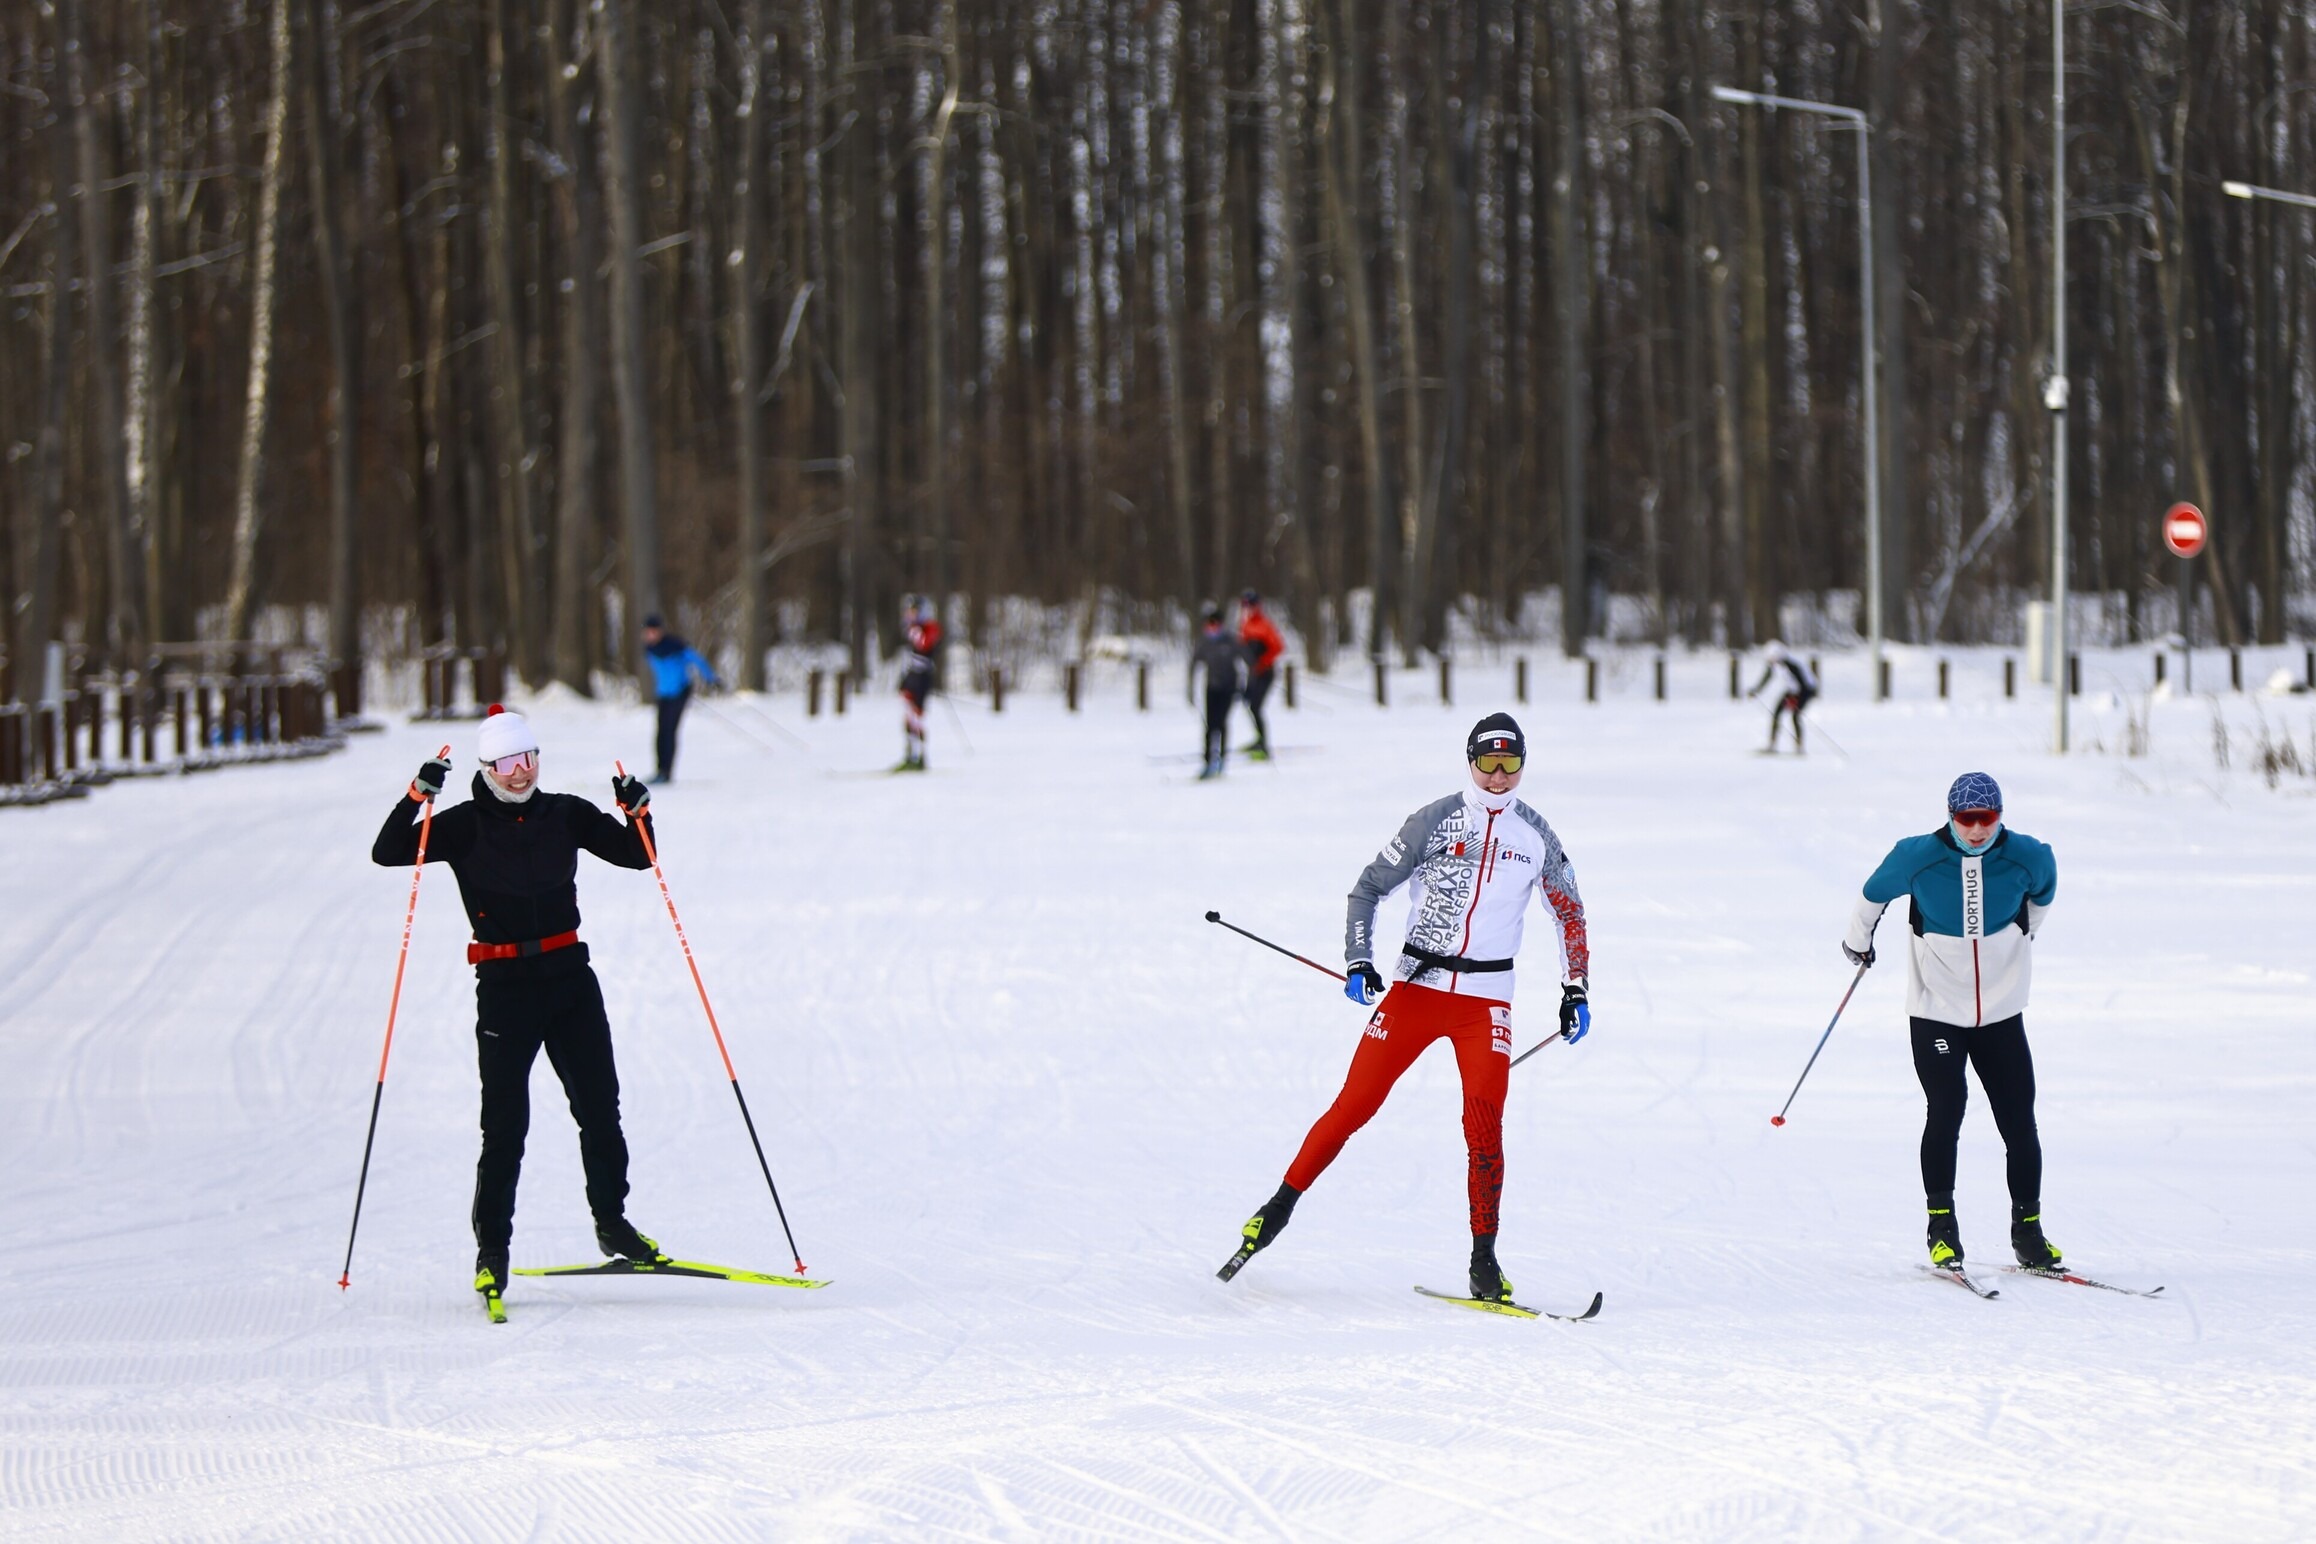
column 520, row 319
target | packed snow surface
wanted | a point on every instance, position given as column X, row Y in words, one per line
column 1019, row 1096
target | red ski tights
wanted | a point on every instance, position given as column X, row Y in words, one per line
column 1406, row 1022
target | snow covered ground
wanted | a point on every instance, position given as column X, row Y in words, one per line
column 1019, row 1097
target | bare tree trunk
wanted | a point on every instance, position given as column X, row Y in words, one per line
column 1420, row 622
column 1884, row 20
column 514, row 455
column 1339, row 150
column 83, row 109
column 1756, row 556
column 939, row 510
column 141, row 414
column 1572, row 266
column 1400, row 199
column 323, row 158
column 638, row 465
column 241, row 588
column 578, row 217
column 750, row 193
column 1168, row 263
column 40, row 549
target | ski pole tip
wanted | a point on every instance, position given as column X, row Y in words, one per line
column 1777, row 1120
column 1214, row 916
column 344, row 1282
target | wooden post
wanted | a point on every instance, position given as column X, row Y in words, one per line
column 2009, row 676
column 843, row 690
column 2074, row 675
column 1447, row 693
column 997, row 688
column 1382, row 693
column 1520, row 680
column 11, row 745
column 1882, row 683
column 71, row 729
column 1660, row 663
column 2308, row 668
column 812, row 694
column 2162, row 663
column 1070, row 685
column 48, row 766
column 128, row 711
column 1290, row 683
column 1142, row 684
column 1591, row 679
column 1733, row 669
column 2235, row 669
column 1945, row 680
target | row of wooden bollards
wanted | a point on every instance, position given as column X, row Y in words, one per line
column 205, row 722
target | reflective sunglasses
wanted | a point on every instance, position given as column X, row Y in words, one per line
column 507, row 766
column 1976, row 817
column 1497, row 761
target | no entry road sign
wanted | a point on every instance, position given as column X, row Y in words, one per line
column 2184, row 529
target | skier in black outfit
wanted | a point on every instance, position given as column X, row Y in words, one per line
column 1224, row 660
column 515, row 849
column 1800, row 691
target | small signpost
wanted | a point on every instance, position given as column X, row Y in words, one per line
column 2185, row 530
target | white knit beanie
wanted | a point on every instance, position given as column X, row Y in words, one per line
column 504, row 734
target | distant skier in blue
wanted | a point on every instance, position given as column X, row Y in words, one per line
column 1980, row 892
column 673, row 664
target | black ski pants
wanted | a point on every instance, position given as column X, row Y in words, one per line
column 1258, row 687
column 2006, row 1070
column 1218, row 724
column 550, row 1002
column 671, row 712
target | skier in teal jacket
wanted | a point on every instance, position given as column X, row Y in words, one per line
column 1979, row 892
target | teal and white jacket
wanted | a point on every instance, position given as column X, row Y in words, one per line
column 1975, row 920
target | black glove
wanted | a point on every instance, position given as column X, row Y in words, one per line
column 1855, row 958
column 430, row 779
column 1575, row 1012
column 1363, row 983
column 631, row 794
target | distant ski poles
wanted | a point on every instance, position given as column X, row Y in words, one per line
column 1216, row 918
column 393, row 1007
column 651, row 851
column 1779, row 1118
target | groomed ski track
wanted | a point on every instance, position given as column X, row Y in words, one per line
column 1019, row 1096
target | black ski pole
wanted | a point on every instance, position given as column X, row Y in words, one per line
column 1779, row 1118
column 1216, row 918
column 651, row 851
column 393, row 1007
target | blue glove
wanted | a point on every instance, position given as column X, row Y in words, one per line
column 1363, row 983
column 1575, row 1012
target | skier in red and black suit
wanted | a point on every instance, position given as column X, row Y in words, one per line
column 923, row 631
column 515, row 849
column 1259, row 636
column 1473, row 859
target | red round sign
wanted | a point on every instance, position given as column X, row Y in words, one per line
column 2184, row 529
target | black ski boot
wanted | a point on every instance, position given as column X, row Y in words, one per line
column 1261, row 1228
column 620, row 1238
column 2034, row 1251
column 490, row 1279
column 1489, row 1284
column 1945, row 1235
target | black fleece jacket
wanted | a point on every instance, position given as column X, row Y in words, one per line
column 517, row 864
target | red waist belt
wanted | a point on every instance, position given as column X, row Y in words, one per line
column 477, row 953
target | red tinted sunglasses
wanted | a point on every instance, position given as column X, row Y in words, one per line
column 1976, row 817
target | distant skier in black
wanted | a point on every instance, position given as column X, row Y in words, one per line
column 515, row 849
column 1800, row 691
column 1224, row 660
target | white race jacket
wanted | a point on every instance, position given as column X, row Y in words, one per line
column 1472, row 869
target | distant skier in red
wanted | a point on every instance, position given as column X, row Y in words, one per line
column 1259, row 636
column 1472, row 859
column 923, row 631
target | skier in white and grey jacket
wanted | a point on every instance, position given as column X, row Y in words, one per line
column 1473, row 860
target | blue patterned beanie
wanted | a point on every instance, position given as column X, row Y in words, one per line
column 1974, row 791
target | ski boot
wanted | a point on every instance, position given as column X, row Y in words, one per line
column 620, row 1238
column 908, row 764
column 1945, row 1238
column 2035, row 1252
column 1489, row 1283
column 490, row 1279
column 1212, row 769
column 1261, row 1228
column 1257, row 752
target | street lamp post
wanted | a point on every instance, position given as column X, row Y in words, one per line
column 2055, row 386
column 1855, row 119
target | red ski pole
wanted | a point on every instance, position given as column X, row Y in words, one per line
column 1779, row 1118
column 651, row 851
column 393, row 1007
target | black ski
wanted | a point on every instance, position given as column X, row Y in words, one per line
column 1514, row 1310
column 1959, row 1277
column 1236, row 1262
column 2048, row 1274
